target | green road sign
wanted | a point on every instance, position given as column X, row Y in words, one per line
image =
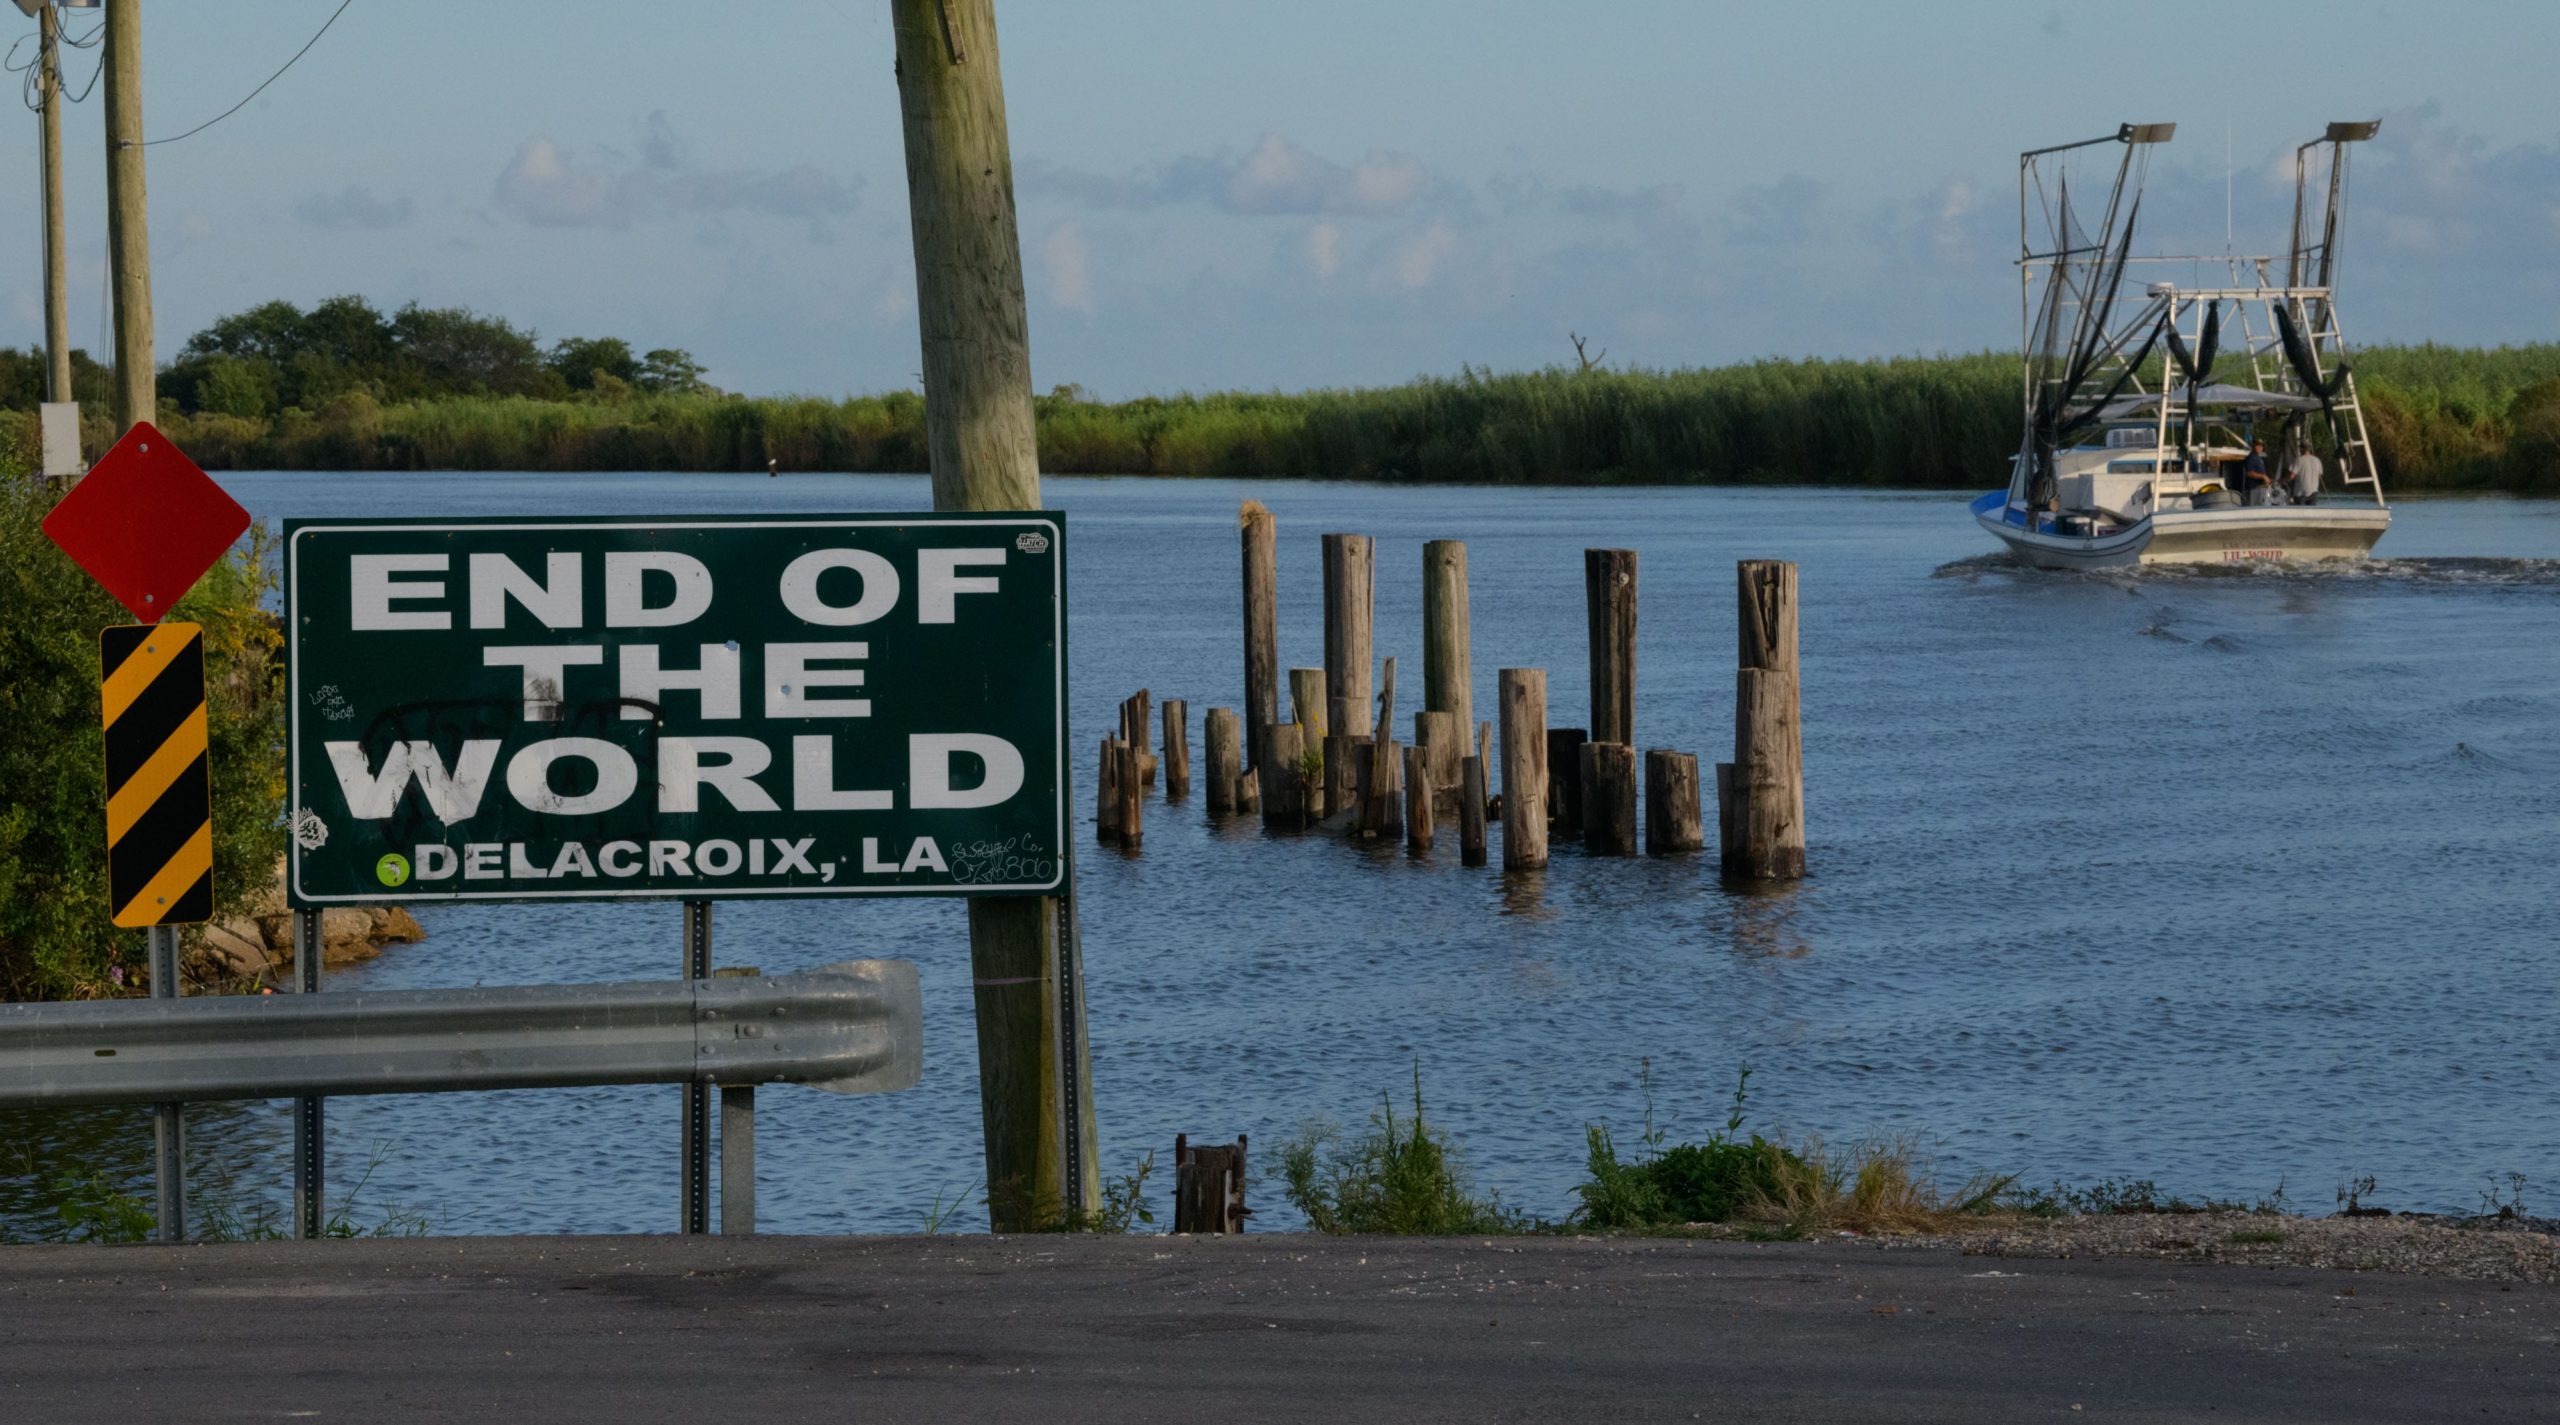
column 695, row 707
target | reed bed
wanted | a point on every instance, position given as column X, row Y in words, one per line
column 2443, row 418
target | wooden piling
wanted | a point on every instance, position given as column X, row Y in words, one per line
column 1382, row 798
column 1609, row 799
column 1471, row 810
column 1283, row 797
column 1437, row 735
column 1307, row 700
column 1524, row 767
column 1350, row 597
column 1261, row 626
column 1220, row 731
column 1671, row 816
column 1208, row 1187
column 1763, row 817
column 1383, row 726
column 1767, row 748
column 1609, row 595
column 1177, row 749
column 1106, row 793
column 1130, row 781
column 1767, row 599
column 1418, row 799
column 1137, row 728
column 1338, row 788
column 1309, row 708
column 1564, row 779
column 1446, row 677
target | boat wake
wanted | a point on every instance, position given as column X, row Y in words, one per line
column 2452, row 572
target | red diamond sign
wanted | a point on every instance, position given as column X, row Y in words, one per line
column 146, row 523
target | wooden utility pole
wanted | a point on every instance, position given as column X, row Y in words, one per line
column 137, row 382
column 1034, row 1071
column 57, row 285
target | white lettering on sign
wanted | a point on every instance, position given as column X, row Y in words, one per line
column 529, row 776
column 626, row 592
column 557, row 600
column 788, row 679
column 929, row 770
column 936, row 582
column 453, row 795
column 546, row 672
column 800, row 587
column 682, row 774
column 371, row 590
column 643, row 681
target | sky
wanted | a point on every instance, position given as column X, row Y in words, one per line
column 1222, row 195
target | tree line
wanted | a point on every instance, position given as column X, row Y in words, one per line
column 276, row 357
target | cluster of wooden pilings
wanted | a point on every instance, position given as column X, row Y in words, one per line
column 1336, row 763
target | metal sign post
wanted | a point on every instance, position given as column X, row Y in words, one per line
column 310, row 1143
column 146, row 525
column 159, row 830
column 696, row 1215
column 168, row 1118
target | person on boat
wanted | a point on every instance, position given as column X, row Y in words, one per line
column 2306, row 474
column 2254, row 484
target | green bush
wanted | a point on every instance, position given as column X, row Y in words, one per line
column 1396, row 1178
column 55, row 942
column 1723, row 1179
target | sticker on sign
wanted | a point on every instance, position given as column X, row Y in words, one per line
column 693, row 707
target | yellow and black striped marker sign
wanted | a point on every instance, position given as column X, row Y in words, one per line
column 159, row 778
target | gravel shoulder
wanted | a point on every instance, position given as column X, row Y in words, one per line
column 2465, row 1249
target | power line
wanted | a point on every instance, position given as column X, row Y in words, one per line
column 261, row 89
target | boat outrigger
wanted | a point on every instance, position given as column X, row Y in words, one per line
column 2195, row 457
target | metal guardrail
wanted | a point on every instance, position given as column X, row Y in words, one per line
column 852, row 1027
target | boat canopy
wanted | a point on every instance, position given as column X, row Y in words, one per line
column 2220, row 395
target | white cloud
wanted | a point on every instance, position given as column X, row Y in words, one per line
column 1322, row 247
column 1417, row 255
column 1068, row 262
column 1276, row 176
column 555, row 187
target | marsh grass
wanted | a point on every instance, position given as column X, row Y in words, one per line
column 2442, row 418
column 1399, row 1176
column 91, row 1206
column 1768, row 1186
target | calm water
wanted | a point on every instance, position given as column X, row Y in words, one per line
column 2227, row 881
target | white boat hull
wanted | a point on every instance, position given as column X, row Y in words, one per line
column 2295, row 533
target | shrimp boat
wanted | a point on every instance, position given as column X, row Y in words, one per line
column 2142, row 397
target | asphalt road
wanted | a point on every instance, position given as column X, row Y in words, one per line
column 1253, row 1328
